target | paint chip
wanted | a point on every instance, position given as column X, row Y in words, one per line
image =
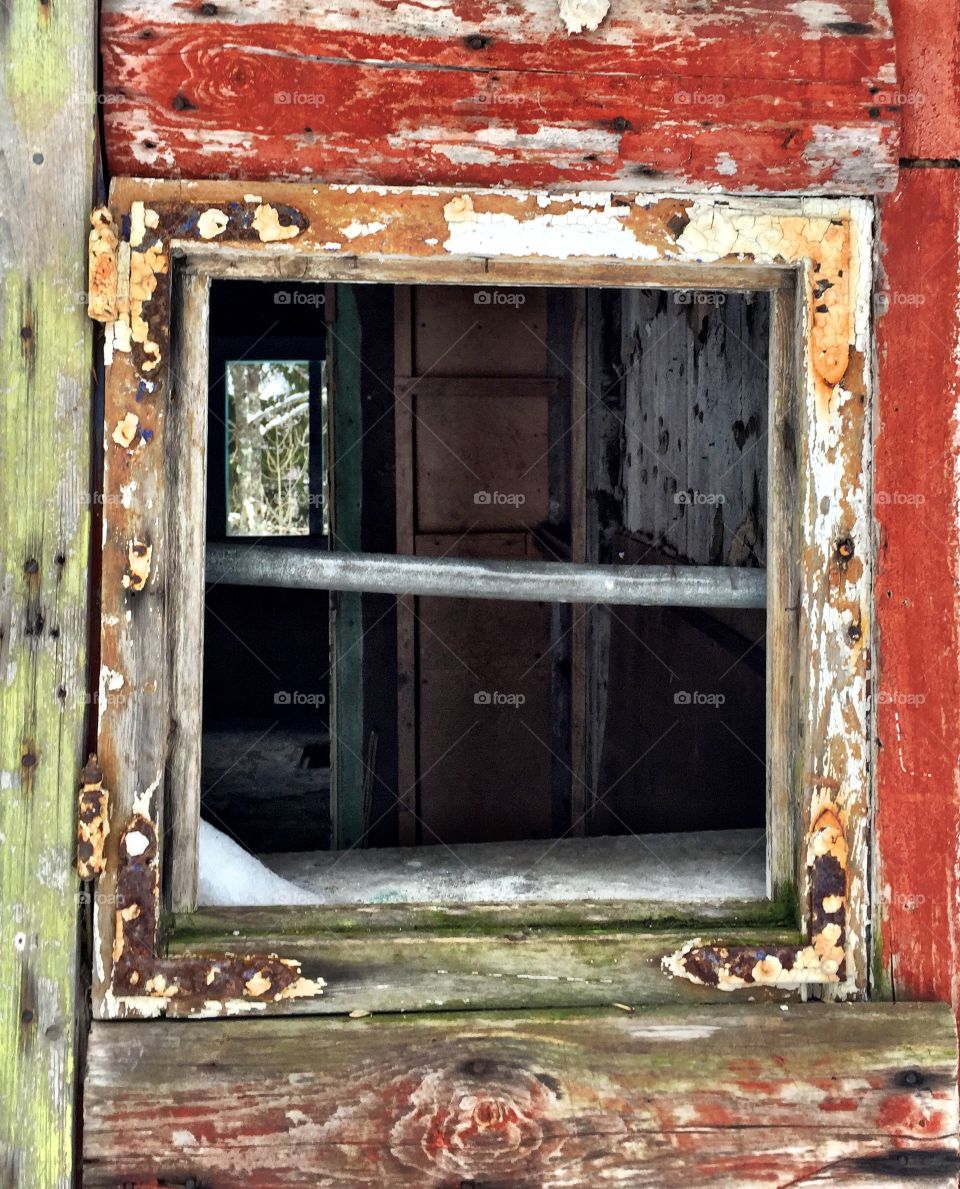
column 212, row 222
column 126, row 430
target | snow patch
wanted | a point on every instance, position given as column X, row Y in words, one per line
column 232, row 877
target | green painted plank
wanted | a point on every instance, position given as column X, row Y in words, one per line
column 346, row 723
column 47, row 105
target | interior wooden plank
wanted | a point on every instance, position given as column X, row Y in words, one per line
column 186, row 458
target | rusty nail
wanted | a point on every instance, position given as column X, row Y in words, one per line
column 844, row 549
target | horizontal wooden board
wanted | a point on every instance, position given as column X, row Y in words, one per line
column 743, row 1096
column 758, row 97
column 518, row 968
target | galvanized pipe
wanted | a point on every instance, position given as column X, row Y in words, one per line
column 456, row 577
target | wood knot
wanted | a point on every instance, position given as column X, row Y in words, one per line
column 479, row 1067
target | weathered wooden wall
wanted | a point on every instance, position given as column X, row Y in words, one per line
column 916, row 503
column 665, row 95
column 46, row 146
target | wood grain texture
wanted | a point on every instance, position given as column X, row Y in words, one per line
column 47, row 149
column 747, row 97
column 724, row 1097
column 187, row 480
column 915, row 494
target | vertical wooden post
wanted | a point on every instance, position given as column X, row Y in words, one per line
column 47, row 103
column 347, row 746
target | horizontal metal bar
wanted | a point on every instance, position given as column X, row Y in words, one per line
column 455, row 577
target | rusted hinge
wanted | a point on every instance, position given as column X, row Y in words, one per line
column 93, row 824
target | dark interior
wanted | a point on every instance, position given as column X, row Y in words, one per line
column 676, row 403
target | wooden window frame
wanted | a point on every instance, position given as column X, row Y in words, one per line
column 153, row 253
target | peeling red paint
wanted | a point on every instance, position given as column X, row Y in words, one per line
column 918, row 683
column 779, row 98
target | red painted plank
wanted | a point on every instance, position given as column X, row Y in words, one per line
column 773, row 103
column 928, row 59
column 918, row 684
column 759, row 39
column 710, row 1097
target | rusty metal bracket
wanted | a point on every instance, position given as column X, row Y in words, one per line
column 93, row 822
column 201, row 985
column 820, row 961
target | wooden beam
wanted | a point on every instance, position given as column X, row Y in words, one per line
column 766, row 97
column 47, row 105
column 725, row 1097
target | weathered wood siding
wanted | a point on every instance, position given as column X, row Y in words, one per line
column 918, row 690
column 46, row 146
column 917, row 473
column 742, row 1096
column 747, row 97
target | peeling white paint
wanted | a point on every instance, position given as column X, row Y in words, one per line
column 212, row 222
column 578, row 232
column 583, row 16
column 135, row 842
column 142, row 801
column 817, row 14
column 356, row 228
